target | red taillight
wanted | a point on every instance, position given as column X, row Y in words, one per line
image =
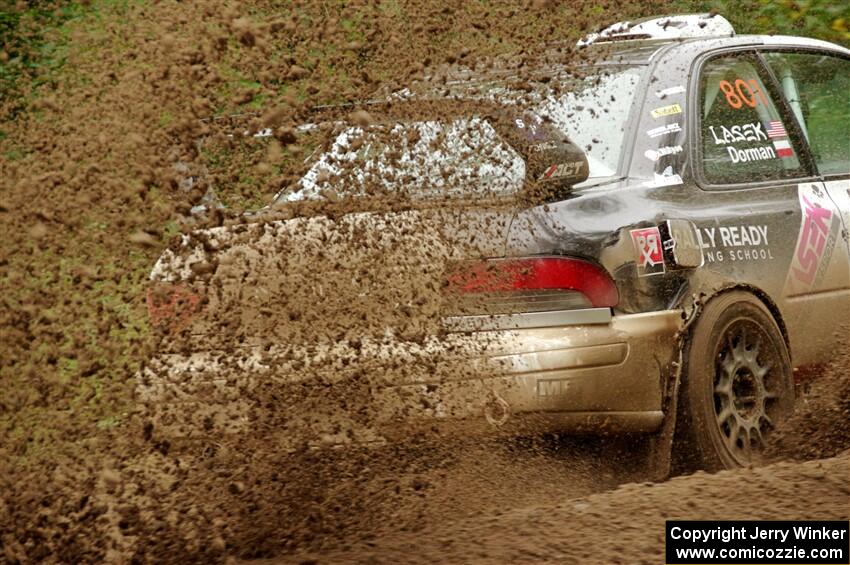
column 172, row 305
column 537, row 274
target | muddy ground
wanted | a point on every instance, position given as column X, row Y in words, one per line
column 624, row 525
column 99, row 137
column 577, row 503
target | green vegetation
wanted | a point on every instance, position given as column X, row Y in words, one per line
column 29, row 42
column 821, row 19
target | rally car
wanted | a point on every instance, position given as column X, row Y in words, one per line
column 687, row 252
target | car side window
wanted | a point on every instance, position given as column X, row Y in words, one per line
column 744, row 137
column 817, row 88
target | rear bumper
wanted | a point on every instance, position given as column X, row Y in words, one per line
column 598, row 377
column 588, row 377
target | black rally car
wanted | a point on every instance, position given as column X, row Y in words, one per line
column 699, row 253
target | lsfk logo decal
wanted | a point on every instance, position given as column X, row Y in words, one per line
column 815, row 243
column 648, row 250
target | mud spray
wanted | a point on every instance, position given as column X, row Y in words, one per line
column 105, row 455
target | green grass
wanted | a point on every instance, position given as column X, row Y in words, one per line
column 33, row 40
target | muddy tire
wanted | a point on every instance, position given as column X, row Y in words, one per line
column 736, row 386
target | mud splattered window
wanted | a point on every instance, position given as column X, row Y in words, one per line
column 817, row 87
column 593, row 114
column 744, row 137
column 421, row 159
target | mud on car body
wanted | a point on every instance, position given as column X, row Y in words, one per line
column 690, row 259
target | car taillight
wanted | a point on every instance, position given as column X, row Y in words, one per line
column 172, row 305
column 533, row 284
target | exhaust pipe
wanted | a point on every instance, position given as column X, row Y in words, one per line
column 496, row 410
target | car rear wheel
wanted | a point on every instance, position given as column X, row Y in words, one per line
column 737, row 385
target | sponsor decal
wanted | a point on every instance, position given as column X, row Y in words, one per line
column 562, row 170
column 670, row 91
column 761, row 153
column 670, row 110
column 655, row 154
column 752, row 131
column 650, row 255
column 664, row 180
column 544, row 146
column 735, row 243
column 783, row 148
column 662, row 130
column 776, row 129
column 741, row 93
column 815, row 243
column 531, row 124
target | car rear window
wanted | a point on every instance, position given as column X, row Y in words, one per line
column 465, row 157
column 462, row 157
column 594, row 113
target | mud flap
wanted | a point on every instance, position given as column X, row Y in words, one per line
column 661, row 444
column 660, row 456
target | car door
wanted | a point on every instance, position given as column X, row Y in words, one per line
column 760, row 197
column 816, row 87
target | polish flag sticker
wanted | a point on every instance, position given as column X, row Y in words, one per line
column 783, row 148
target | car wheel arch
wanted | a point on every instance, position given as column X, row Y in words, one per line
column 703, row 298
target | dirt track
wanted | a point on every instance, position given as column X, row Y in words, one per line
column 625, row 525
column 587, row 500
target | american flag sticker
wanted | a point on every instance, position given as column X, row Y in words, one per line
column 776, row 129
column 783, row 148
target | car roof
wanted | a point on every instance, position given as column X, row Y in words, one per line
column 642, row 51
column 793, row 41
column 640, row 40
